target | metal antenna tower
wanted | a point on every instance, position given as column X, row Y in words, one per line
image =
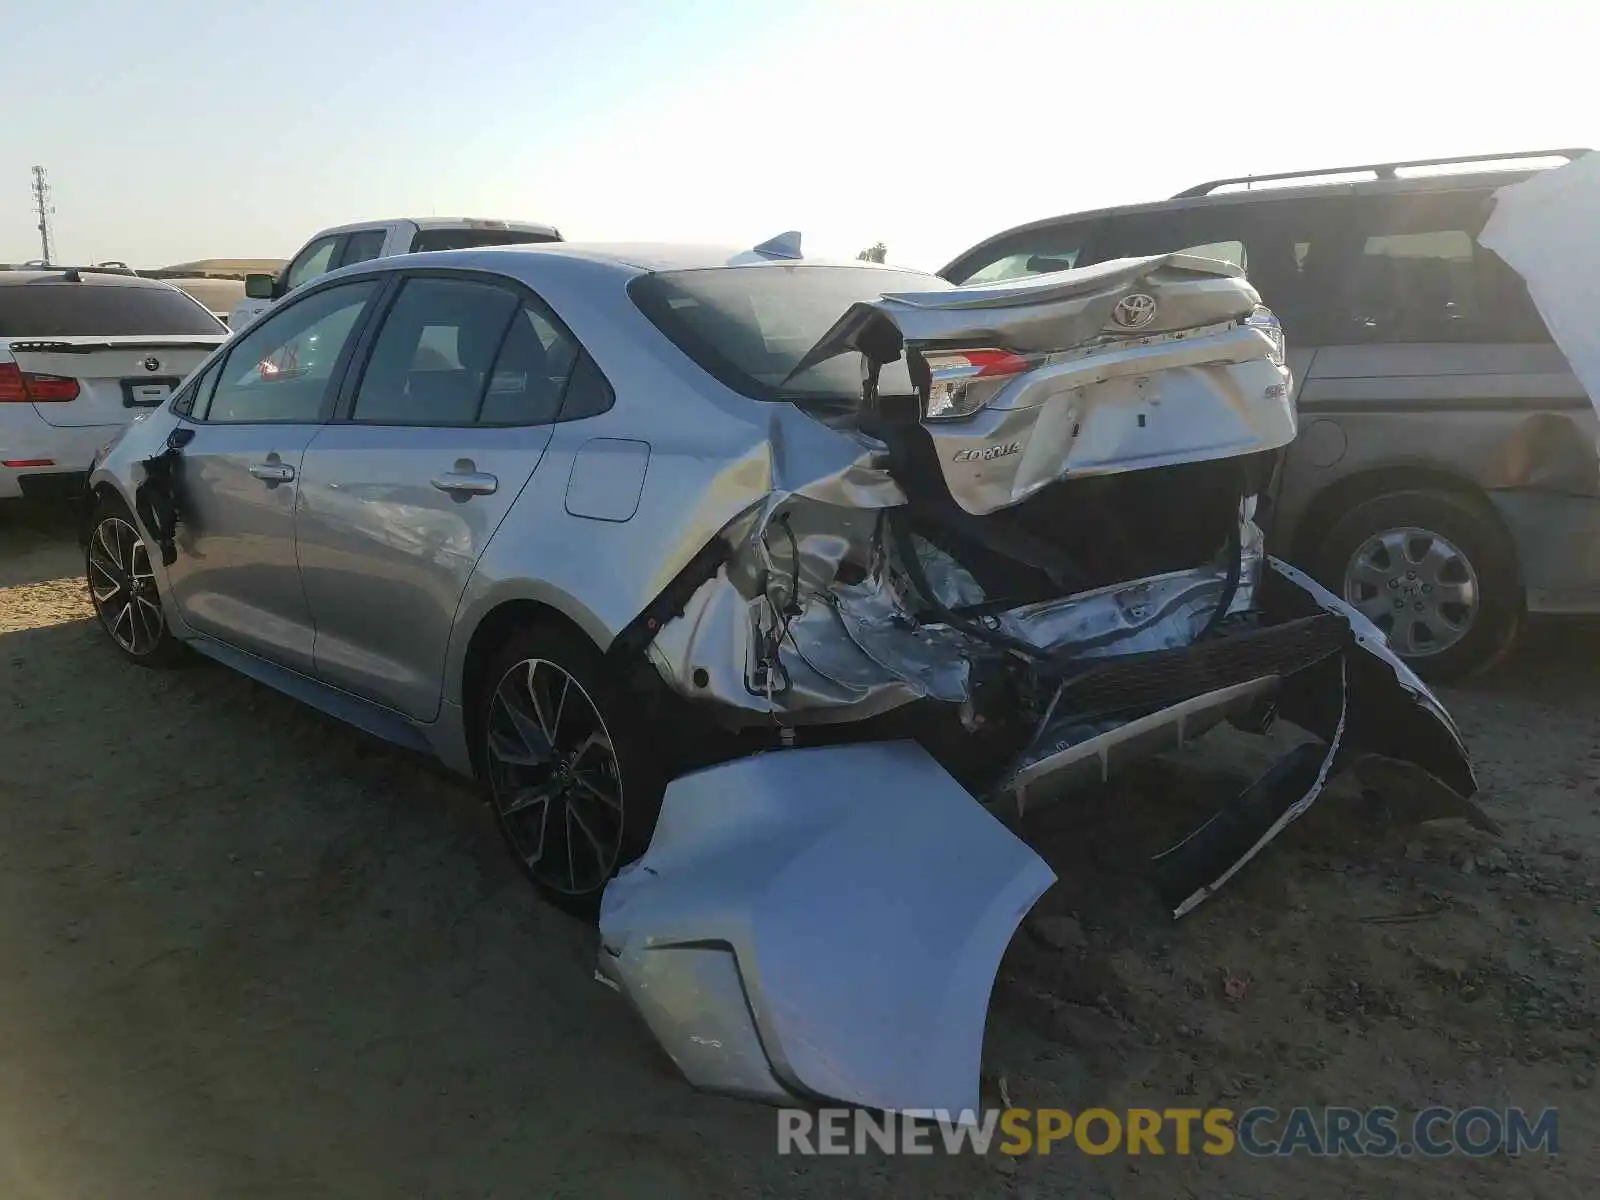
column 44, row 210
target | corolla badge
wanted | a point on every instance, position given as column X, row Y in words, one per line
column 987, row 453
column 1134, row 311
column 152, row 363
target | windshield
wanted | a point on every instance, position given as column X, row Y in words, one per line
column 749, row 326
column 54, row 308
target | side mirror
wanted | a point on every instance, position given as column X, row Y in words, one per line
column 261, row 286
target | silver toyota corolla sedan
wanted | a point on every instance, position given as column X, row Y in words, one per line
column 788, row 576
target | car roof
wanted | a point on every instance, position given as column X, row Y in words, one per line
column 633, row 257
column 1281, row 189
column 443, row 223
column 86, row 277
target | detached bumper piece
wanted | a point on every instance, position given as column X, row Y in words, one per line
column 822, row 924
column 826, row 923
column 1370, row 712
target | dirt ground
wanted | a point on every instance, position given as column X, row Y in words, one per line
column 248, row 952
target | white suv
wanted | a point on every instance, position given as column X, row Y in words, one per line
column 346, row 244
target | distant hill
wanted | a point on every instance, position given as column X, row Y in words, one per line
column 226, row 266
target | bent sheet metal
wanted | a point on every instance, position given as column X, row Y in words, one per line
column 826, row 922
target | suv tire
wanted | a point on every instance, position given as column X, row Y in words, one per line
column 1398, row 554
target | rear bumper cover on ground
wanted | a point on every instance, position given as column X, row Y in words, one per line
column 826, row 923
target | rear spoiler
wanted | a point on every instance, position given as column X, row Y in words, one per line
column 46, row 347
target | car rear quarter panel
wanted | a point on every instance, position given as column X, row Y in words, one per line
column 709, row 459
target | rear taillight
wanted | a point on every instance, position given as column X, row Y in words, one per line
column 27, row 387
column 11, row 390
column 963, row 381
column 1263, row 320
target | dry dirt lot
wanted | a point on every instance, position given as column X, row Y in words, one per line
column 247, row 952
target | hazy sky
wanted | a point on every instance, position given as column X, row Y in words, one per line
column 175, row 130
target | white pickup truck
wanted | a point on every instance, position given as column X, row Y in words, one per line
column 346, row 244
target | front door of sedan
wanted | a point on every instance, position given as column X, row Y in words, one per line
column 235, row 577
column 400, row 495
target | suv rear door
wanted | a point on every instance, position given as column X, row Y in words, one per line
column 1422, row 320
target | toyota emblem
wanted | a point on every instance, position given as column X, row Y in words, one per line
column 1134, row 311
column 152, row 363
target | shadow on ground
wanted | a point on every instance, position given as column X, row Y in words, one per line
column 248, row 952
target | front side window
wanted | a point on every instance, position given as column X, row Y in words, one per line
column 283, row 367
column 435, row 353
column 316, row 259
column 750, row 326
column 1032, row 252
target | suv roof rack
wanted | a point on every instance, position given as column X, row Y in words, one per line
column 68, row 269
column 1385, row 170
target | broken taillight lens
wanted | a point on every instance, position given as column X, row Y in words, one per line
column 1264, row 320
column 25, row 387
column 963, row 381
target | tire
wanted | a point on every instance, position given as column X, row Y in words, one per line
column 573, row 817
column 122, row 588
column 1399, row 553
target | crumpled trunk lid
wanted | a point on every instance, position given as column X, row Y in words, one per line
column 1128, row 365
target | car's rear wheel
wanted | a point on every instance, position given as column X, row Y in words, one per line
column 572, row 775
column 122, row 587
column 1435, row 572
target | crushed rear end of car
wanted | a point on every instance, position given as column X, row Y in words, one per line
column 1026, row 556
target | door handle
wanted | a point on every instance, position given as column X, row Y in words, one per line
column 466, row 483
column 272, row 472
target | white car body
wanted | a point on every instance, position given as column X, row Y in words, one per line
column 78, row 362
column 342, row 245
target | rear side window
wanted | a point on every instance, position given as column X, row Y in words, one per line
column 588, row 393
column 1291, row 250
column 1415, row 273
column 363, row 245
column 531, row 371
column 53, row 308
column 434, row 355
column 465, row 239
